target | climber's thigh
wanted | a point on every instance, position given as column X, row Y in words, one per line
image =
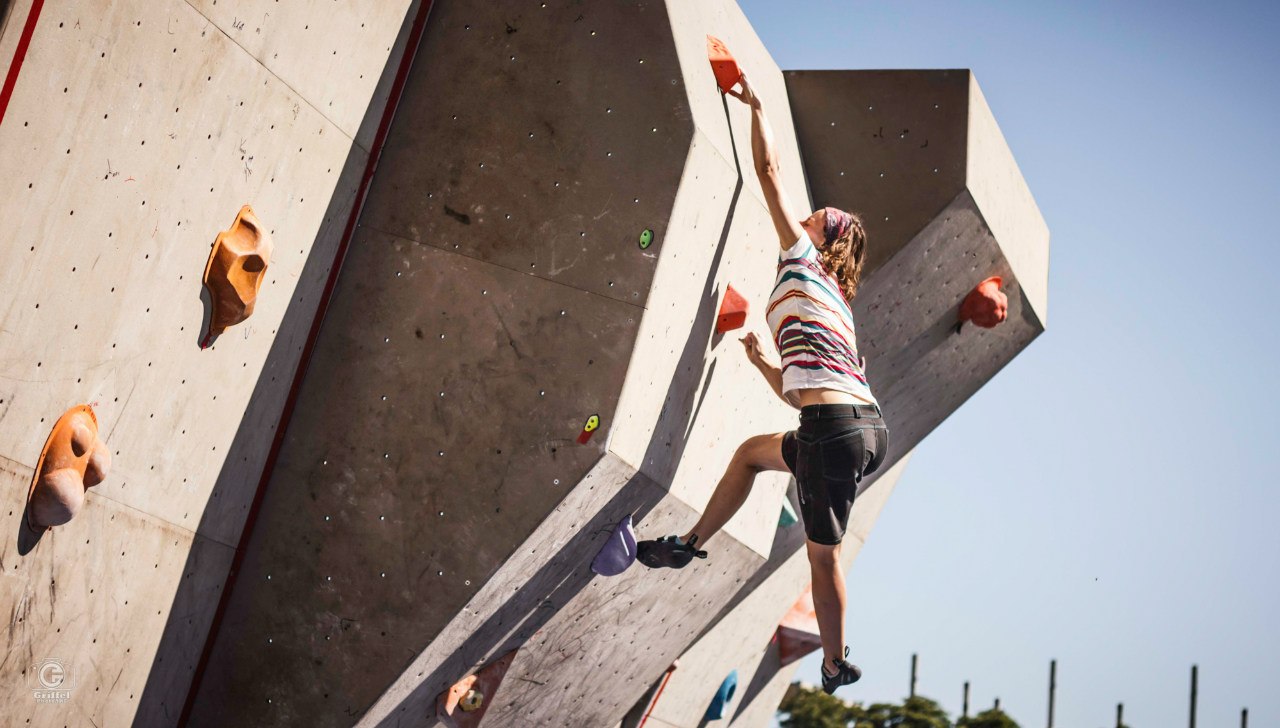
column 763, row 452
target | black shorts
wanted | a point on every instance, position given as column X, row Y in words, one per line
column 835, row 447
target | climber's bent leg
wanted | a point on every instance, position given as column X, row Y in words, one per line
column 762, row 452
column 756, row 454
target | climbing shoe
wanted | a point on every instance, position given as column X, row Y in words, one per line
column 668, row 551
column 846, row 674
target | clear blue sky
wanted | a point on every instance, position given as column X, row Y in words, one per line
column 1127, row 522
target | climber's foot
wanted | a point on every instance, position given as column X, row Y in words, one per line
column 845, row 673
column 669, row 552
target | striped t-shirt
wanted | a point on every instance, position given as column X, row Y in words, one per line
column 813, row 328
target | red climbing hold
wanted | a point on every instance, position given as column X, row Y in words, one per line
column 723, row 64
column 985, row 305
column 733, row 311
column 464, row 704
column 798, row 633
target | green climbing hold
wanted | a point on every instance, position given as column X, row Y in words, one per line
column 646, row 239
column 788, row 515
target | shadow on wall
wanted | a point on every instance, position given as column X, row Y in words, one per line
column 6, row 9
column 539, row 598
column 679, row 411
column 765, row 670
column 235, row 492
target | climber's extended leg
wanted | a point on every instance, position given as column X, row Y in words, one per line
column 828, row 606
column 756, row 454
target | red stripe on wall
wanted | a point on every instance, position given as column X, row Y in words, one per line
column 19, row 55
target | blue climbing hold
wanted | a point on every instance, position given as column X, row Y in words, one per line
column 619, row 552
column 724, row 696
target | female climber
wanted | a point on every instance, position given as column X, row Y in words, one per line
column 841, row 437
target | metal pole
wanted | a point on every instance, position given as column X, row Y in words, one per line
column 1119, row 715
column 914, row 660
column 1053, row 685
column 1244, row 718
column 997, row 703
column 965, row 712
column 1195, row 680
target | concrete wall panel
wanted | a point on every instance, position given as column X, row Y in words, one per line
column 888, row 145
column 691, row 23
column 923, row 370
column 690, row 389
column 720, row 234
column 587, row 643
column 533, row 138
column 95, row 597
column 135, row 133
column 141, row 167
column 759, row 708
column 1001, row 193
column 435, row 422
column 309, row 44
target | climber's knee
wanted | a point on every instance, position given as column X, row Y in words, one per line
column 761, row 452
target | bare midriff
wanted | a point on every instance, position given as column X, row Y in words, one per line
column 827, row 396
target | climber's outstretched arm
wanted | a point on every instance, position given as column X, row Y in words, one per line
column 765, row 155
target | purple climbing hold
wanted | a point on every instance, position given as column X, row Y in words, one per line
column 619, row 552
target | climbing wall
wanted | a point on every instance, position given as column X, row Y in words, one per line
column 560, row 206
column 134, row 134
column 496, row 297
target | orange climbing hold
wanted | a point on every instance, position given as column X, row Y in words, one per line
column 985, row 305
column 73, row 459
column 798, row 633
column 237, row 264
column 464, row 704
column 733, row 311
column 723, row 64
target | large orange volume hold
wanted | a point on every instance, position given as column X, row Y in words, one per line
column 723, row 64
column 73, row 460
column 237, row 264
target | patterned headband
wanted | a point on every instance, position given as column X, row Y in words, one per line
column 838, row 223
